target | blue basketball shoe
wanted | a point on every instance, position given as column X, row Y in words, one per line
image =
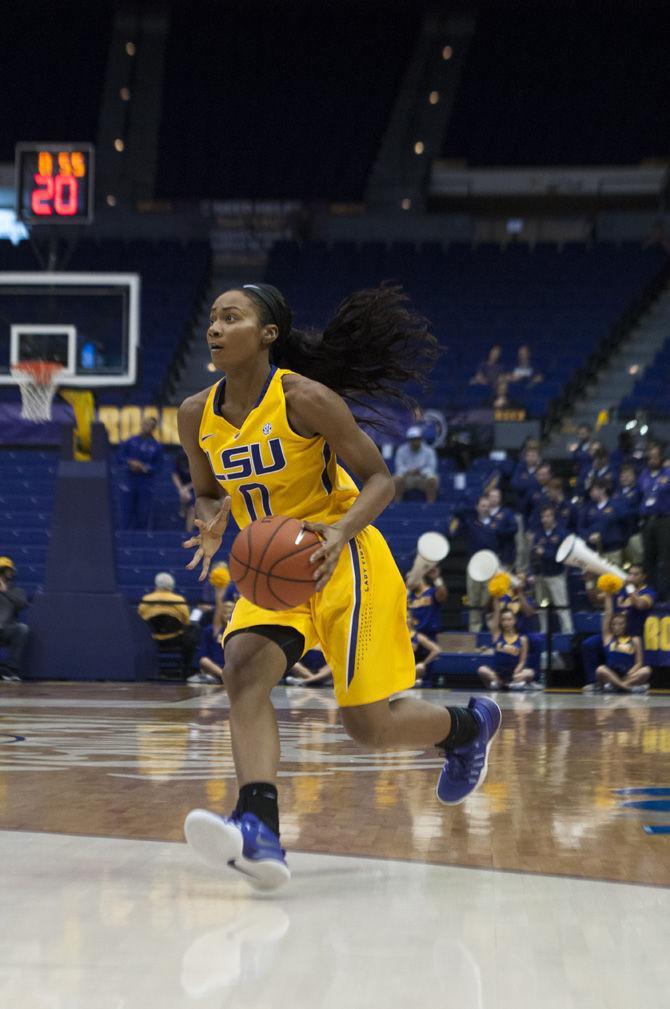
column 465, row 766
column 239, row 842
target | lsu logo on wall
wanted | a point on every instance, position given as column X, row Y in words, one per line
column 244, row 461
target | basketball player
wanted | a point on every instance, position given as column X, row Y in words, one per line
column 265, row 440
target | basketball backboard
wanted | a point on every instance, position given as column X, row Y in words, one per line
column 88, row 322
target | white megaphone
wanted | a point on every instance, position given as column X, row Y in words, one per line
column 575, row 552
column 483, row 565
column 431, row 549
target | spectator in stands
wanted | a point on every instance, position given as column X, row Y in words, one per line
column 424, row 603
column 481, row 536
column 628, row 498
column 416, row 466
column 539, row 497
column 524, row 479
column 504, row 522
column 521, row 604
column 524, row 482
column 301, row 675
column 501, row 399
column 567, row 513
column 581, row 449
column 508, row 670
column 624, row 667
column 635, row 600
column 600, row 469
column 142, row 458
column 181, row 478
column 523, row 371
column 550, row 579
column 168, row 616
column 425, row 648
column 13, row 634
column 601, row 523
column 655, row 514
column 489, row 371
column 624, row 453
column 210, row 660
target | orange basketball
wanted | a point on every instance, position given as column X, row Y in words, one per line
column 269, row 562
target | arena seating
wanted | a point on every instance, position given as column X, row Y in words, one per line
column 560, row 302
column 27, row 482
column 650, row 392
column 535, row 87
column 140, row 555
column 291, row 86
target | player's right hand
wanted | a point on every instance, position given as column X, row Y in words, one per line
column 208, row 539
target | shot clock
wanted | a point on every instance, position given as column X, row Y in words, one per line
column 54, row 183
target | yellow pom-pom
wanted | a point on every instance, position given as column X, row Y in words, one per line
column 220, row 576
column 610, row 584
column 500, row 584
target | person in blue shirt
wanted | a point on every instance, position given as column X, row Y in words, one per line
column 628, row 498
column 525, row 484
column 424, row 603
column 539, row 497
column 624, row 453
column 425, row 651
column 508, row 669
column 655, row 515
column 524, row 479
column 600, row 469
column 550, row 580
column 635, row 600
column 481, row 535
column 581, row 449
column 601, row 523
column 210, row 658
column 181, row 480
column 505, row 524
column 141, row 458
column 522, row 606
column 566, row 510
column 623, row 668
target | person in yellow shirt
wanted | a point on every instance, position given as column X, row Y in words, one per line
column 168, row 616
column 265, row 440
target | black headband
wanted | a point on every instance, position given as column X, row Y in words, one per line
column 275, row 304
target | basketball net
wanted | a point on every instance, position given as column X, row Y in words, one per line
column 37, row 381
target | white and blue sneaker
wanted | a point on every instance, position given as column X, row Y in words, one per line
column 465, row 766
column 239, row 842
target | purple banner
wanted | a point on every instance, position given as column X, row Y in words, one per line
column 14, row 430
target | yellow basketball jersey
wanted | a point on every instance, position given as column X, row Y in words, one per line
column 267, row 468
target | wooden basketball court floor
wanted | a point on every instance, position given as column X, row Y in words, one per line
column 549, row 887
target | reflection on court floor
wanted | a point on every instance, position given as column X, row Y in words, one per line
column 131, row 761
column 106, row 913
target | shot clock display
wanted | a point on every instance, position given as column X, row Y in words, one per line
column 54, row 183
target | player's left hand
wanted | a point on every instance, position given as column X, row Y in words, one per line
column 328, row 554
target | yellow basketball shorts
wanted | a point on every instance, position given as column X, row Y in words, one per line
column 359, row 620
